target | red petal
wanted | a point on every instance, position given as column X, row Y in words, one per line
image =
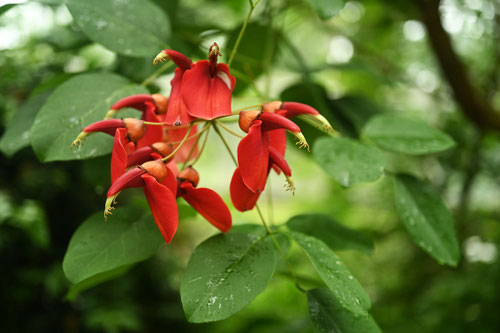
column 253, row 157
column 295, row 109
column 134, row 101
column 179, row 59
column 131, row 178
column 140, row 156
column 277, row 140
column 170, row 181
column 208, row 97
column 119, row 154
column 209, row 204
column 279, row 160
column 243, row 199
column 177, row 112
column 272, row 121
column 108, row 126
column 163, row 206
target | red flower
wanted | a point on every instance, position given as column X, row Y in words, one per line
column 258, row 152
column 160, row 187
column 201, row 90
column 135, row 129
column 204, row 200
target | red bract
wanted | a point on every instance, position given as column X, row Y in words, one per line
column 201, row 90
column 160, row 187
column 204, row 200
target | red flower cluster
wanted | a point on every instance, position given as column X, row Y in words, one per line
column 147, row 151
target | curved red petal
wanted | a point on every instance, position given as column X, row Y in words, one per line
column 177, row 113
column 209, row 204
column 139, row 156
column 277, row 140
column 179, row 59
column 163, row 206
column 295, row 109
column 119, row 154
column 243, row 199
column 153, row 133
column 131, row 178
column 275, row 158
column 108, row 126
column 133, row 101
column 253, row 158
column 208, row 97
column 273, row 121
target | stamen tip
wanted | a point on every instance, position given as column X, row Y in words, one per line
column 160, row 57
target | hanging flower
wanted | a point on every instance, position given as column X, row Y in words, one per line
column 160, row 187
column 200, row 90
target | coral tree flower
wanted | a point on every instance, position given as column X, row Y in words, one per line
column 258, row 152
column 199, row 90
column 134, row 129
column 160, row 187
column 204, row 200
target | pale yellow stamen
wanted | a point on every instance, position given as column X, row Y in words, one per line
column 108, row 207
column 79, row 139
column 302, row 143
column 160, row 57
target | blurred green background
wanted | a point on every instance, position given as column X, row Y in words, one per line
column 374, row 56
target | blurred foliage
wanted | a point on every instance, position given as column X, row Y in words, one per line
column 370, row 58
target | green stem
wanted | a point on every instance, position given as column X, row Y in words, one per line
column 278, row 247
column 216, row 128
column 202, row 147
column 180, row 144
column 227, row 129
column 156, row 73
column 242, row 31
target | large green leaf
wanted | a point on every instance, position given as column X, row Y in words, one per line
column 137, row 28
column 17, row 133
column 327, row 8
column 426, row 218
column 98, row 246
column 259, row 230
column 336, row 276
column 224, row 274
column 328, row 315
column 78, row 102
column 347, row 161
column 331, row 232
column 405, row 135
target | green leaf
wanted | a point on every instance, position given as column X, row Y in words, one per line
column 405, row 135
column 426, row 218
column 348, row 161
column 95, row 280
column 17, row 133
column 133, row 28
column 331, row 232
column 349, row 293
column 327, row 8
column 75, row 104
column 98, row 246
column 328, row 315
column 224, row 274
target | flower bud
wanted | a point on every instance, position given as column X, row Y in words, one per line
column 156, row 169
column 189, row 174
column 135, row 129
column 246, row 119
column 161, row 103
column 163, row 148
